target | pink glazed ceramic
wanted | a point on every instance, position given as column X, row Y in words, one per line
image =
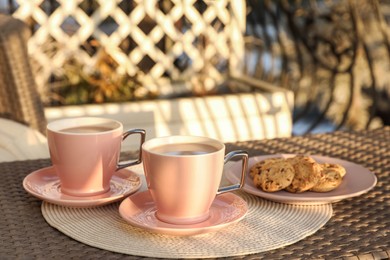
column 183, row 174
column 85, row 153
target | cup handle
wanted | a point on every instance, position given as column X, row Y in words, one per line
column 142, row 133
column 239, row 185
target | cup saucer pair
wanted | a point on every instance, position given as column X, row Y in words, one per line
column 45, row 185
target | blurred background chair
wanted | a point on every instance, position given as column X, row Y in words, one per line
column 22, row 120
column 19, row 97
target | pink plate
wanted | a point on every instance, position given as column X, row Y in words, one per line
column 139, row 210
column 44, row 184
column 358, row 180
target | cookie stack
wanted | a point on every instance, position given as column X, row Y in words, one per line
column 297, row 174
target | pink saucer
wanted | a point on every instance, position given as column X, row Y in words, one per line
column 139, row 210
column 44, row 184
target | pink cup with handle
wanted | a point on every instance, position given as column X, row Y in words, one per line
column 85, row 153
column 183, row 175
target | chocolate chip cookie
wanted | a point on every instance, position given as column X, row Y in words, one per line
column 307, row 174
column 332, row 176
column 274, row 175
column 256, row 168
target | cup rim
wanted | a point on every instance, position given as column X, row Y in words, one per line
column 60, row 124
column 148, row 145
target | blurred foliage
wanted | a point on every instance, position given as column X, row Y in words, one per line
column 102, row 83
column 334, row 55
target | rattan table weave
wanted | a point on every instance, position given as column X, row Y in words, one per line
column 359, row 229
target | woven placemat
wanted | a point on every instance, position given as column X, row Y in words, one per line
column 268, row 225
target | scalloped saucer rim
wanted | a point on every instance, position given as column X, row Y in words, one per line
column 45, row 185
column 139, row 211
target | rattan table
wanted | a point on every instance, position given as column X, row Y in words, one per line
column 359, row 229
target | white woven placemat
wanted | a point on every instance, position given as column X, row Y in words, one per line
column 268, row 225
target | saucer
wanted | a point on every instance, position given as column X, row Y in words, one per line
column 139, row 210
column 45, row 185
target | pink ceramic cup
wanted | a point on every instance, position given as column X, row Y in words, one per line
column 183, row 175
column 85, row 153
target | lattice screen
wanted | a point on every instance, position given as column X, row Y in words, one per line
column 163, row 39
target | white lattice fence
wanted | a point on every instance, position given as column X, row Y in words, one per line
column 150, row 36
